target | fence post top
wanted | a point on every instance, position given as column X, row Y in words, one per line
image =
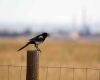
column 33, row 51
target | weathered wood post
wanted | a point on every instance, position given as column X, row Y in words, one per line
column 32, row 70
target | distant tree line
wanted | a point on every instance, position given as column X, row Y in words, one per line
column 15, row 34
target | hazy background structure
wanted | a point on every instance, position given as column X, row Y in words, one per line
column 72, row 52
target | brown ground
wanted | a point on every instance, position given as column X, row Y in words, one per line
column 54, row 53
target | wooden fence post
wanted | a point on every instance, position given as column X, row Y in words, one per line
column 32, row 71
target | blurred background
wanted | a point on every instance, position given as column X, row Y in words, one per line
column 74, row 26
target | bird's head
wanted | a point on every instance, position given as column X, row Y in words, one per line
column 46, row 34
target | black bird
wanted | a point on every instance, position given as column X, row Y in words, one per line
column 36, row 40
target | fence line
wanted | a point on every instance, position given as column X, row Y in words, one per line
column 49, row 69
column 52, row 67
column 20, row 72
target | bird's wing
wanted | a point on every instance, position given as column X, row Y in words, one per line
column 37, row 38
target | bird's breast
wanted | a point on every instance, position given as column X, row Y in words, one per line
column 38, row 42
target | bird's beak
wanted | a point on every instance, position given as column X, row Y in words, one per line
column 48, row 35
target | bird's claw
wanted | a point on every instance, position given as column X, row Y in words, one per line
column 38, row 50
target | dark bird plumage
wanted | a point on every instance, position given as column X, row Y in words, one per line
column 36, row 40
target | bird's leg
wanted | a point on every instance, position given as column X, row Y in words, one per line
column 36, row 45
column 38, row 48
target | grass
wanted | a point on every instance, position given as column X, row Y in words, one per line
column 54, row 53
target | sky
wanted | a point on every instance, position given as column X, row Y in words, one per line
column 50, row 11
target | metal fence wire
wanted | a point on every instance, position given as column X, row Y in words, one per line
column 9, row 72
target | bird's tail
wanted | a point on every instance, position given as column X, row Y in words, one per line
column 23, row 46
